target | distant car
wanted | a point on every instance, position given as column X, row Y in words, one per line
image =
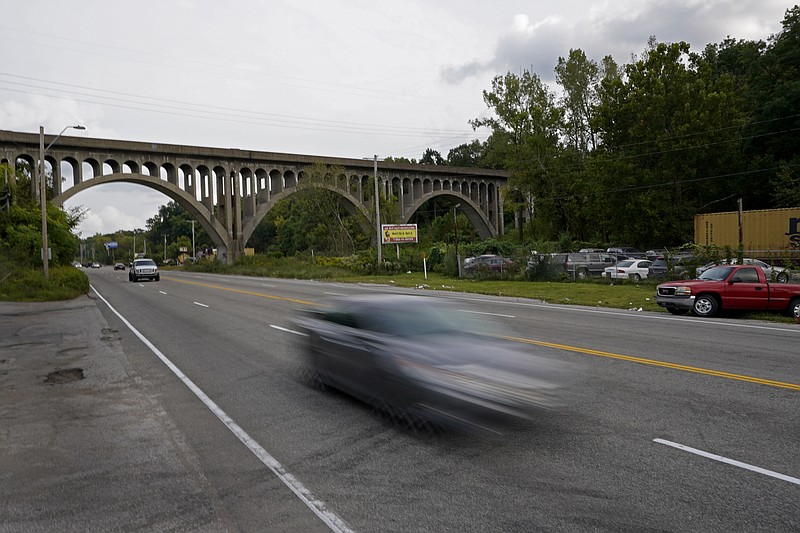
column 592, row 251
column 633, row 269
column 77, row 264
column 95, row 265
column 424, row 359
column 493, row 263
column 119, row 266
column 143, row 269
column 625, row 252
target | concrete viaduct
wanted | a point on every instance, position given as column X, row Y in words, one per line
column 229, row 191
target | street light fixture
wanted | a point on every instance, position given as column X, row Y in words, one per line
column 43, row 193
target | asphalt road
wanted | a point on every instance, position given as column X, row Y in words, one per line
column 673, row 424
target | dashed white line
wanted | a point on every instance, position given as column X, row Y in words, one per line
column 733, row 462
column 201, row 305
column 289, row 330
column 162, row 292
column 317, row 506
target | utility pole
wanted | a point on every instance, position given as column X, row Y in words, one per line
column 378, row 214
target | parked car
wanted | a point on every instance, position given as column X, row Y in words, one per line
column 119, row 266
column 592, row 251
column 95, row 265
column 633, row 269
column 656, row 253
column 772, row 272
column 625, row 252
column 424, row 359
column 143, row 269
column 575, row 265
column 493, row 263
column 743, row 287
column 660, row 268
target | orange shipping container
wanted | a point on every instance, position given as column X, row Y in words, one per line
column 763, row 230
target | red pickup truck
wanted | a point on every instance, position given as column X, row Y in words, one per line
column 742, row 287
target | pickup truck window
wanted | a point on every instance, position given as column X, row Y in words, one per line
column 746, row 275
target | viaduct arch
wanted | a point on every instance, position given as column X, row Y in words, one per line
column 229, row 191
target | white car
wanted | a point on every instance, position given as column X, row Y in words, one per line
column 633, row 269
column 143, row 269
column 771, row 272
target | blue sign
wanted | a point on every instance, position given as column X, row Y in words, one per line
column 111, row 245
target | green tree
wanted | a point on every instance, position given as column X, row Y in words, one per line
column 671, row 133
column 526, row 129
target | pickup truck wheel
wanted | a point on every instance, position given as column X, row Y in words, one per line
column 674, row 311
column 794, row 308
column 705, row 306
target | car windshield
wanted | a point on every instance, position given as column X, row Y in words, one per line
column 717, row 273
column 144, row 262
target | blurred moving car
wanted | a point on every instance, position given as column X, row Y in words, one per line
column 119, row 266
column 633, row 269
column 143, row 269
column 95, row 265
column 422, row 360
column 494, row 263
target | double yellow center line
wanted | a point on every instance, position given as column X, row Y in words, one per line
column 684, row 368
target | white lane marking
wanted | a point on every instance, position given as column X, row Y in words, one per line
column 482, row 313
column 319, row 507
column 268, row 286
column 198, row 303
column 289, row 330
column 334, row 294
column 733, row 462
column 162, row 292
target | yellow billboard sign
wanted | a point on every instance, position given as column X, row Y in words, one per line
column 398, row 233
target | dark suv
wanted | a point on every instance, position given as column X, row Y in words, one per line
column 581, row 265
column 659, row 270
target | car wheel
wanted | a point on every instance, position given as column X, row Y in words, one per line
column 705, row 306
column 794, row 308
column 158, row 277
column 583, row 274
column 636, row 278
column 674, row 311
column 782, row 277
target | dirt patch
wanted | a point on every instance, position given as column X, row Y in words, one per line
column 67, row 375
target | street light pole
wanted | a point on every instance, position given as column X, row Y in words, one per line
column 43, row 194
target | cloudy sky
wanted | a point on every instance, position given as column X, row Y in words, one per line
column 346, row 78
